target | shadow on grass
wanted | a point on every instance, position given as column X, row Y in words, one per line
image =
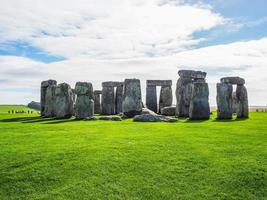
column 230, row 120
column 27, row 119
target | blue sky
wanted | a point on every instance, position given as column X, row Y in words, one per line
column 98, row 40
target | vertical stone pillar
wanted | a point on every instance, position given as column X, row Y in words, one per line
column 199, row 104
column 183, row 96
column 242, row 102
column 63, row 101
column 84, row 106
column 151, row 98
column 132, row 99
column 165, row 98
column 224, row 101
column 118, row 99
column 108, row 101
column 234, row 105
column 97, row 102
column 48, row 98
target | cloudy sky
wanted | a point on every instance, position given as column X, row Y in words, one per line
column 101, row 40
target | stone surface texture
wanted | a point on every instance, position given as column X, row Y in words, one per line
column 63, row 101
column 224, row 100
column 132, row 99
column 84, row 106
column 199, row 105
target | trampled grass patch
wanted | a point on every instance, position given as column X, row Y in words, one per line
column 70, row 159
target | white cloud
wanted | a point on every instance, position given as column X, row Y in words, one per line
column 245, row 59
column 105, row 29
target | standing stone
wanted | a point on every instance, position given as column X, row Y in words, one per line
column 63, row 101
column 199, row 104
column 224, row 101
column 234, row 105
column 48, row 98
column 118, row 99
column 108, row 101
column 132, row 100
column 183, row 96
column 151, row 98
column 97, row 101
column 242, row 101
column 165, row 98
column 84, row 106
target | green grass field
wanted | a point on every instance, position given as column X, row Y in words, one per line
column 68, row 159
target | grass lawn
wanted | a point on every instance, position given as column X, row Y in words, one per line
column 68, row 159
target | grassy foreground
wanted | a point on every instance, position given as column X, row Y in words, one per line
column 68, row 159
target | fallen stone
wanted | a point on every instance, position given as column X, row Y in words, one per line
column 111, row 118
column 153, row 118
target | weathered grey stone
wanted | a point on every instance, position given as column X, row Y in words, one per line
column 147, row 118
column 97, row 101
column 183, row 96
column 151, row 98
column 224, row 101
column 118, row 99
column 111, row 118
column 192, row 74
column 165, row 97
column 84, row 88
column 49, row 110
column 34, row 105
column 84, row 106
column 112, row 84
column 153, row 118
column 47, row 101
column 132, row 101
column 234, row 101
column 63, row 101
column 199, row 104
column 233, row 80
column 159, row 82
column 108, row 101
column 147, row 111
column 242, row 102
column 168, row 111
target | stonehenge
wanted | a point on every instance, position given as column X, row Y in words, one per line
column 199, row 104
column 229, row 102
column 224, row 100
column 63, row 101
column 48, row 98
column 125, row 99
column 165, row 98
column 192, row 95
column 84, row 106
column 132, row 99
column 111, row 104
column 97, row 101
